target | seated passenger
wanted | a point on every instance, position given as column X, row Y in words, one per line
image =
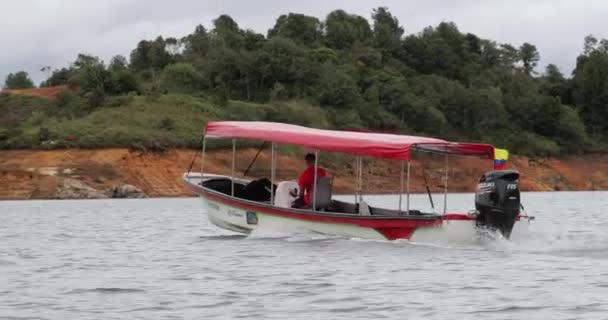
column 306, row 181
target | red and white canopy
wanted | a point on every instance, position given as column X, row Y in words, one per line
column 379, row 145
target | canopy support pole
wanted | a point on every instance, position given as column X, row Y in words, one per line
column 445, row 186
column 273, row 170
column 203, row 158
column 314, row 185
column 408, row 188
column 356, row 176
column 232, row 170
column 360, row 179
column 401, row 169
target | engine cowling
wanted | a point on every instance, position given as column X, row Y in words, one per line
column 497, row 200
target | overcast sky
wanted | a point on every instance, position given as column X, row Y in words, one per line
column 37, row 33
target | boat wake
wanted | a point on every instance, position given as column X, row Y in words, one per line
column 291, row 235
column 564, row 243
column 222, row 237
column 487, row 240
column 484, row 240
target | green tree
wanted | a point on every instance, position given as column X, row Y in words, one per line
column 181, row 78
column 284, row 61
column 85, row 60
column 58, row 78
column 509, row 55
column 220, row 70
column 89, row 74
column 591, row 95
column 19, row 80
column 300, row 28
column 490, row 54
column 122, row 82
column 554, row 84
column 337, row 89
column 253, row 41
column 529, row 57
column 590, row 45
column 343, row 30
column 387, row 32
column 91, row 80
column 571, row 130
column 118, row 63
column 150, row 55
column 196, row 44
column 323, row 54
column 226, row 33
column 440, row 50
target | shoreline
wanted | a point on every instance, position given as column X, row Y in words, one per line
column 335, row 194
column 98, row 173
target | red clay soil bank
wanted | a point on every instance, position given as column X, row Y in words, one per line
column 32, row 174
column 44, row 92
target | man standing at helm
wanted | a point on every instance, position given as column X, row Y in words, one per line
column 306, row 181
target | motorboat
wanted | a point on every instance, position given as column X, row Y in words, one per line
column 244, row 205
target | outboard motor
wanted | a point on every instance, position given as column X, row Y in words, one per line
column 497, row 200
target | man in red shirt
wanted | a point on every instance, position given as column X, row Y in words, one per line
column 307, row 180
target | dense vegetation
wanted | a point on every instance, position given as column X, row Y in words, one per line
column 344, row 72
column 19, row 80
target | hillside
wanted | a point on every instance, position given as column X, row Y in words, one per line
column 344, row 72
column 341, row 72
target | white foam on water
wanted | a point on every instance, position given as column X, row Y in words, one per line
column 288, row 232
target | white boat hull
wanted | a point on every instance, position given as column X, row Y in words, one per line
column 235, row 219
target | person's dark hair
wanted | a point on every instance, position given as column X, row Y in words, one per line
column 310, row 157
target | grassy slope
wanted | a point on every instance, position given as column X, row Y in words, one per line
column 138, row 121
column 165, row 120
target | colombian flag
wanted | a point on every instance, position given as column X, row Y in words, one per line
column 500, row 158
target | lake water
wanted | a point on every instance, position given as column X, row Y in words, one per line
column 162, row 259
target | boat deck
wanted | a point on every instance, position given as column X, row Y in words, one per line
column 222, row 185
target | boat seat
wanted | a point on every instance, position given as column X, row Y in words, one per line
column 224, row 185
column 343, row 207
column 323, row 193
column 391, row 212
column 383, row 212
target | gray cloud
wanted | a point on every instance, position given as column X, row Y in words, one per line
column 37, row 33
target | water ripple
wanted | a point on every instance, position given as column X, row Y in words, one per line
column 105, row 291
column 7, row 263
column 155, row 308
column 211, row 305
column 510, row 308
